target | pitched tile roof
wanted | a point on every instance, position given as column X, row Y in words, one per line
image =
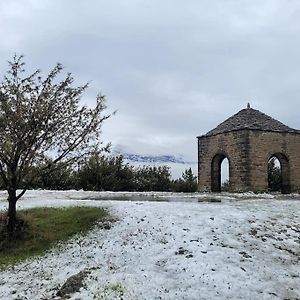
column 251, row 119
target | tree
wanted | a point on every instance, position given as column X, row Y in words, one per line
column 100, row 173
column 152, row 178
column 41, row 118
column 60, row 178
column 187, row 184
column 274, row 176
column 225, row 187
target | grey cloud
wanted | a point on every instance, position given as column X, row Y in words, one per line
column 173, row 69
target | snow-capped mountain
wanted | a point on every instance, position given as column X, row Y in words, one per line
column 177, row 164
column 151, row 158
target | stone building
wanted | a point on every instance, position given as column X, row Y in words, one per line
column 248, row 140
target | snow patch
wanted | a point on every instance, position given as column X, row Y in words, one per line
column 180, row 248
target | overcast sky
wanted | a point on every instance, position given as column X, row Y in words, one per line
column 173, row 69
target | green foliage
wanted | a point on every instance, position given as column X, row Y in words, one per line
column 149, row 178
column 38, row 117
column 59, row 178
column 225, row 186
column 188, row 182
column 104, row 173
column 43, row 227
column 101, row 173
column 274, row 176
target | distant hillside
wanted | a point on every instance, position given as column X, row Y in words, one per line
column 164, row 159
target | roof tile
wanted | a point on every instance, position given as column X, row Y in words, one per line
column 251, row 119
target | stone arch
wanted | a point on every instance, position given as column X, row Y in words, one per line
column 285, row 171
column 216, row 171
column 251, row 138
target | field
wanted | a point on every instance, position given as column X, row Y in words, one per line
column 169, row 246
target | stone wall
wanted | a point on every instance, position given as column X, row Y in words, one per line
column 266, row 144
column 248, row 153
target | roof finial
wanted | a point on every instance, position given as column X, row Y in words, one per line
column 248, row 105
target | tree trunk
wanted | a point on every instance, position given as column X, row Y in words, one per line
column 12, row 212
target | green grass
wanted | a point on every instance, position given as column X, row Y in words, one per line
column 46, row 226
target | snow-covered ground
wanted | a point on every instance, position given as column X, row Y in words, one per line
column 184, row 248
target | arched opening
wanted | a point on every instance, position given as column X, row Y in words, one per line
column 225, row 175
column 279, row 174
column 220, row 173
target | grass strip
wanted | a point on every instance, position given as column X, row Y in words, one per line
column 43, row 227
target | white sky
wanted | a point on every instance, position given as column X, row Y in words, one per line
column 173, row 69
